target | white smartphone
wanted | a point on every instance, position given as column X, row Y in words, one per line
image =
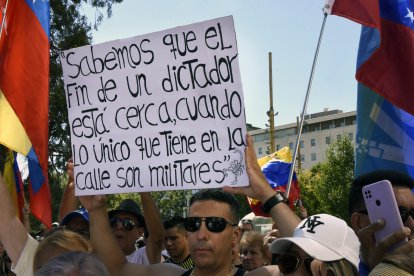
column 381, row 204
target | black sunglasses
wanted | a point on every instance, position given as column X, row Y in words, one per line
column 289, row 262
column 404, row 213
column 126, row 223
column 213, row 224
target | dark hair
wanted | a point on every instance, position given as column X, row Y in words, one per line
column 220, row 196
column 175, row 221
column 397, row 179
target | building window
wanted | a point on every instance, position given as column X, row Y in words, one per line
column 350, row 136
column 327, row 140
column 338, row 137
column 301, row 144
column 313, row 156
column 260, row 151
column 302, row 158
column 313, row 142
column 277, row 147
column 291, row 146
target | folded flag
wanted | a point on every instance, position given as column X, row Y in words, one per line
column 276, row 168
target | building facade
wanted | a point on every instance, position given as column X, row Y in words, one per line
column 319, row 131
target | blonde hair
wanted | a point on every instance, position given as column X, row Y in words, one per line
column 341, row 267
column 62, row 239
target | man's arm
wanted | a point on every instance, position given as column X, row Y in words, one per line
column 154, row 243
column 13, row 234
column 260, row 189
column 69, row 201
column 107, row 248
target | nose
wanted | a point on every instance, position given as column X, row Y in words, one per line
column 202, row 232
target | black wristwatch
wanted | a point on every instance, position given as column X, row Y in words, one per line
column 275, row 199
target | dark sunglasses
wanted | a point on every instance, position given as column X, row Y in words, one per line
column 213, row 224
column 289, row 262
column 404, row 213
column 126, row 223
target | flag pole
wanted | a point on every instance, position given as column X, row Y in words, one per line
column 3, row 21
column 302, row 117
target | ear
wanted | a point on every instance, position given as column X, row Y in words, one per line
column 140, row 231
column 358, row 221
column 236, row 235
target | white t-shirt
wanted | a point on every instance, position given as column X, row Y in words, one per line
column 139, row 256
column 24, row 266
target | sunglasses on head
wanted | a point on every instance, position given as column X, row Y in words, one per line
column 213, row 224
column 126, row 223
column 404, row 213
column 289, row 262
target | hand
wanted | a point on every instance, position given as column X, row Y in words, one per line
column 70, row 171
column 258, row 187
column 303, row 213
column 271, row 236
column 373, row 253
column 26, row 209
column 93, row 202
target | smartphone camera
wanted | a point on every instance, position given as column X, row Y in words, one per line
column 368, row 194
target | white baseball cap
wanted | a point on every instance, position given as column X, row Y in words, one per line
column 323, row 237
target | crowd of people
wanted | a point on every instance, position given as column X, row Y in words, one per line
column 211, row 239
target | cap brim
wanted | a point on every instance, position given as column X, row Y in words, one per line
column 311, row 247
column 70, row 216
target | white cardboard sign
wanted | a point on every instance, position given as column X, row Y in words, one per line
column 161, row 111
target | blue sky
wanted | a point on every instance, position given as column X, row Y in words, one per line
column 288, row 29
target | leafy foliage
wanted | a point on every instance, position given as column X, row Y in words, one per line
column 325, row 188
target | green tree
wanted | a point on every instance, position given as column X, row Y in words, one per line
column 325, row 187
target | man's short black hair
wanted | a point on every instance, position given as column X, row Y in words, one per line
column 220, row 196
column 397, row 179
column 175, row 221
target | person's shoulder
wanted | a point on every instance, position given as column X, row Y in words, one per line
column 269, row 270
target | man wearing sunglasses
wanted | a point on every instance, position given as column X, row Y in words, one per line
column 128, row 225
column 371, row 253
column 211, row 225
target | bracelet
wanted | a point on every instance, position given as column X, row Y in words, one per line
column 274, row 200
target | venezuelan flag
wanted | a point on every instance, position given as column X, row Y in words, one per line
column 276, row 168
column 24, row 93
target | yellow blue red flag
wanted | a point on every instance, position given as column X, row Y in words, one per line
column 24, row 93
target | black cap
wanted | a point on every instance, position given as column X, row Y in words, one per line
column 131, row 207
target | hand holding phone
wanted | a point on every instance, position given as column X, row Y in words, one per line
column 381, row 204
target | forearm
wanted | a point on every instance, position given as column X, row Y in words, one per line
column 285, row 218
column 154, row 226
column 103, row 241
column 69, row 201
column 13, row 235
